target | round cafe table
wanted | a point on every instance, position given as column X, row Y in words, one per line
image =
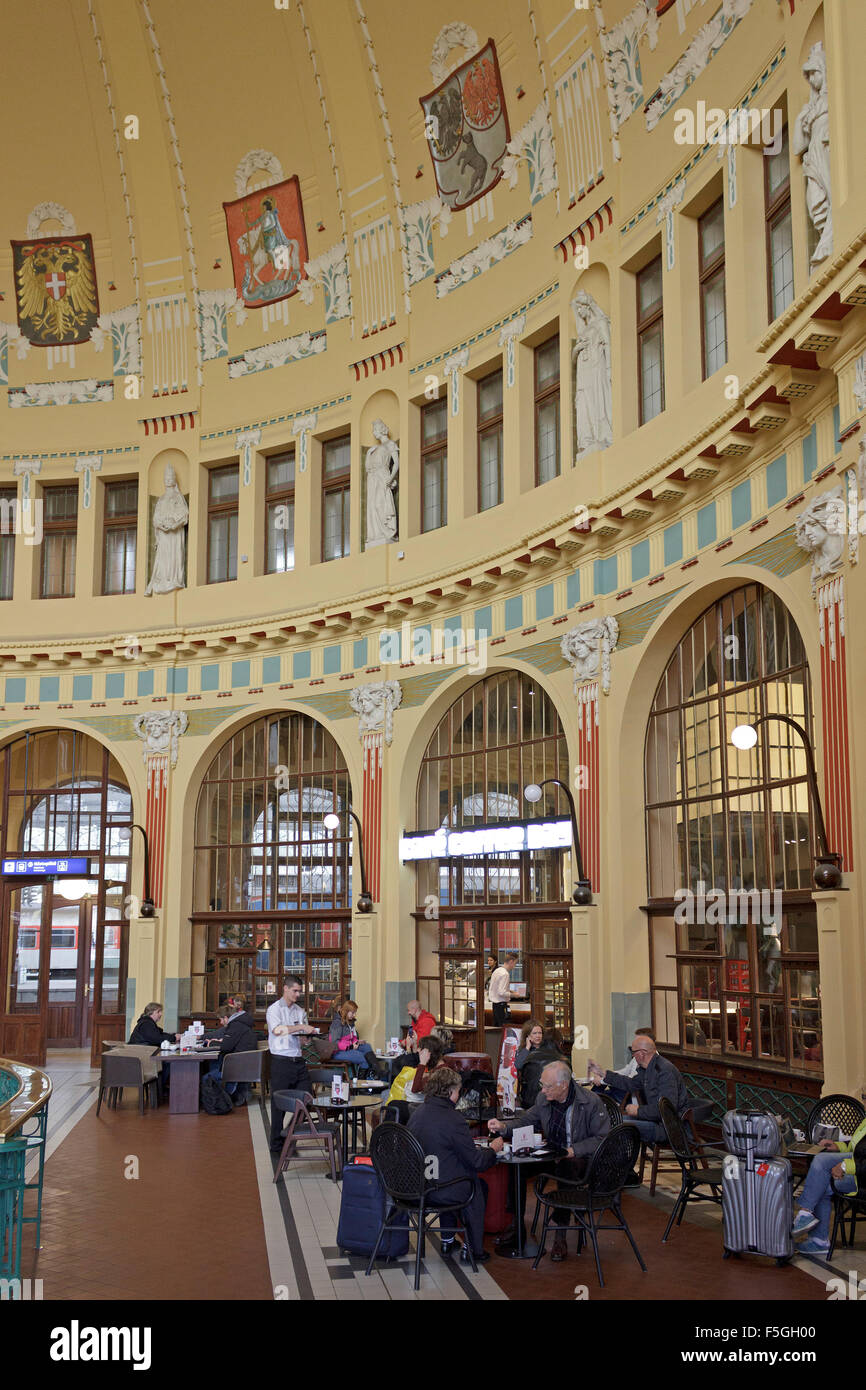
column 341, row 1110
column 524, row 1249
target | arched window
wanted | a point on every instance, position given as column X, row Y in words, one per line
column 272, row 885
column 734, row 960
column 63, row 949
column 498, row 737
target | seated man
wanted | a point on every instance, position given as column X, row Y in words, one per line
column 569, row 1118
column 621, row 1091
column 421, row 1025
column 444, row 1134
column 655, row 1078
column 237, row 1036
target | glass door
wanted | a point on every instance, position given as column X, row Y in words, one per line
column 71, row 963
column 24, row 909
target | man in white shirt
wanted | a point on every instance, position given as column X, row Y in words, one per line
column 499, row 989
column 287, row 1021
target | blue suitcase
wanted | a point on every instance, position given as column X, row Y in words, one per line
column 362, row 1210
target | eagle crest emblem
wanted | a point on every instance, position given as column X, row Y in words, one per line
column 466, row 125
column 55, row 286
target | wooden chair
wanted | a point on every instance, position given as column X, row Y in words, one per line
column 302, row 1129
column 122, row 1070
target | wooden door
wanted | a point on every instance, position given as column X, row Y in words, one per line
column 24, row 952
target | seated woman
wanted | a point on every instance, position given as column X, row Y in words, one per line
column 445, row 1036
column 431, row 1053
column 349, row 1046
column 829, row 1172
column 537, row 1048
column 147, row 1032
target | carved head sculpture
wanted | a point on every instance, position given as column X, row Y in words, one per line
column 820, row 532
column 380, row 431
column 815, row 67
column 587, row 649
column 169, row 476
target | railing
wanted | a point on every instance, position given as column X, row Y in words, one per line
column 24, row 1095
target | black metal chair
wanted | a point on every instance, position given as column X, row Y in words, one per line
column 660, row 1151
column 853, row 1206
column 599, row 1191
column 400, row 1162
column 844, row 1111
column 118, row 1072
column 302, row 1129
column 691, row 1157
column 614, row 1113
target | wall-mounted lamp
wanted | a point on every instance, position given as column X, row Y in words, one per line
column 364, row 902
column 582, row 894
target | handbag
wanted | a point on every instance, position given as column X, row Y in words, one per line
column 401, row 1083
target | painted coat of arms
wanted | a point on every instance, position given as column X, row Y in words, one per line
column 466, row 125
column 268, row 242
column 55, row 286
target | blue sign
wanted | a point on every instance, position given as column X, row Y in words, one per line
column 42, row 865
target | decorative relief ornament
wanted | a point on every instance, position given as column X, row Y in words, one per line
column 245, row 442
column 451, row 36
column 587, row 648
column 159, row 733
column 534, row 143
column 303, row 426
column 331, row 271
column 508, row 336
column 382, row 467
column 811, row 141
column 50, row 212
column 253, row 160
column 592, row 376
column 374, row 705
column 820, row 531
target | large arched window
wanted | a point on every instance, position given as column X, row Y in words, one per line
column 63, row 949
column 272, row 885
column 730, row 841
column 495, row 739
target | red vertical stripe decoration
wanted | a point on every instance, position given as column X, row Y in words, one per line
column 834, row 689
column 155, row 820
column 586, row 781
column 371, row 811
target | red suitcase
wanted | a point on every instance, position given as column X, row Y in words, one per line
column 496, row 1218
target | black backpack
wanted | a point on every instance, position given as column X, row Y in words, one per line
column 215, row 1099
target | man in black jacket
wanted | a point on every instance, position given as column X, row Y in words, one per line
column 237, row 1035
column 147, row 1032
column 444, row 1136
column 655, row 1077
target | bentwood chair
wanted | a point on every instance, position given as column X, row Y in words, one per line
column 599, row 1191
column 303, row 1130
column 841, row 1110
column 399, row 1160
column 118, row 1072
column 659, row 1150
column 691, row 1157
column 852, row 1206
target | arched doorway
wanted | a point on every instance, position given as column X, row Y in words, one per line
column 495, row 739
column 733, row 932
column 272, row 886
column 65, row 841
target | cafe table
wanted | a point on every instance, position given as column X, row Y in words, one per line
column 341, row 1110
column 523, row 1249
column 186, row 1077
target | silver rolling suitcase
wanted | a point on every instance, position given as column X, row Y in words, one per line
column 757, row 1187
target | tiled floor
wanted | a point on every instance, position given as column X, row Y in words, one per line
column 158, row 1206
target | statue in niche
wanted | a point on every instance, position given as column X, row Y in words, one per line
column 170, row 516
column 812, row 143
column 382, row 466
column 592, row 376
column 821, row 533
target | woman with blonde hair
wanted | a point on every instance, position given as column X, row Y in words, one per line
column 349, row 1047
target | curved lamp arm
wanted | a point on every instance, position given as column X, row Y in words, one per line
column 582, row 894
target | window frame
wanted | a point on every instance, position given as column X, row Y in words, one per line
column 9, row 495
column 711, row 270
column 776, row 207
column 489, row 425
column 652, row 319
column 127, row 521
column 428, row 457
column 339, row 482
column 284, row 495
column 542, row 396
column 215, row 509
column 56, row 528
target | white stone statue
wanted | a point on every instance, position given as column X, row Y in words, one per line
column 159, row 733
column 821, row 533
column 170, row 516
column 812, row 144
column 587, row 650
column 592, row 376
column 374, row 705
column 382, row 465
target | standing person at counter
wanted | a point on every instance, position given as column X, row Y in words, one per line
column 499, row 989
column 287, row 1021
column 147, row 1032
